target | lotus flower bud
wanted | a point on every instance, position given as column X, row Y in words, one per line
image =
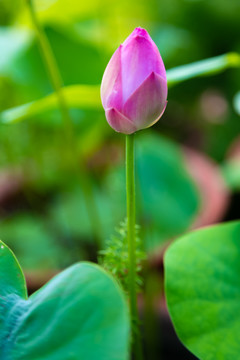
column 134, row 84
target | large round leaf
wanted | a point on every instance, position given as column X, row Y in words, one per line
column 79, row 314
column 202, row 283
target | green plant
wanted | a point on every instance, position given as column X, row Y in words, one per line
column 68, row 318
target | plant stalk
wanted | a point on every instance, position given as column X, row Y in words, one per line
column 131, row 215
column 78, row 165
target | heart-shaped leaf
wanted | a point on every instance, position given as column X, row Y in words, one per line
column 203, row 291
column 80, row 314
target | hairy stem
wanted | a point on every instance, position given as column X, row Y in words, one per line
column 130, row 191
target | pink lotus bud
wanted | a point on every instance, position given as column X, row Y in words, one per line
column 134, row 84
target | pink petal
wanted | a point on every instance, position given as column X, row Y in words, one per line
column 111, row 91
column 148, row 102
column 119, row 122
column 139, row 58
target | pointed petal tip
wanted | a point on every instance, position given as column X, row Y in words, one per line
column 147, row 104
column 152, row 76
column 137, row 34
column 140, row 34
column 163, row 77
column 119, row 122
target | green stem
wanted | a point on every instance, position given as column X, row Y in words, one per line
column 52, row 68
column 131, row 214
column 56, row 80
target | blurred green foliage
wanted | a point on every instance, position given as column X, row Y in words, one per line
column 83, row 36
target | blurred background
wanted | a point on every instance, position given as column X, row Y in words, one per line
column 62, row 197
